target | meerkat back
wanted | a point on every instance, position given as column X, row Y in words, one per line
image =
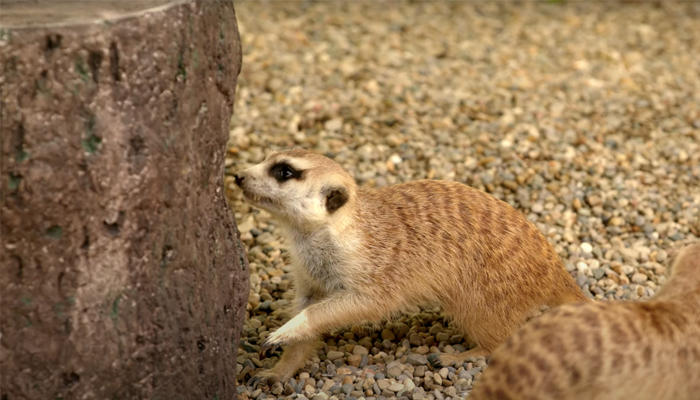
column 607, row 350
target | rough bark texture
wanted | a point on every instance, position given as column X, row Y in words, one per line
column 122, row 273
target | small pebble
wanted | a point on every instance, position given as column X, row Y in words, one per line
column 586, row 247
column 334, row 355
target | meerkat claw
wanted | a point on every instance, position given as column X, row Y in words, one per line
column 263, row 377
column 256, row 380
column 434, row 360
column 268, row 347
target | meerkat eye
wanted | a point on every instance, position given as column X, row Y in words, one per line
column 283, row 172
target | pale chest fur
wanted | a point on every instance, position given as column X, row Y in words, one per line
column 319, row 260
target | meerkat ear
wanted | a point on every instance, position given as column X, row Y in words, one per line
column 336, row 197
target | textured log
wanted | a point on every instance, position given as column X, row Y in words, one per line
column 122, row 275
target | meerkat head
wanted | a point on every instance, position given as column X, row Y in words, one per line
column 300, row 187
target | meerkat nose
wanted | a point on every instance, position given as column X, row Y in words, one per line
column 239, row 179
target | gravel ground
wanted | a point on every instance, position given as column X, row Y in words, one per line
column 585, row 117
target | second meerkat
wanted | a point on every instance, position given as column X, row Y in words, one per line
column 608, row 350
column 363, row 254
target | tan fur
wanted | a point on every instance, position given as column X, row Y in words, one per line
column 646, row 350
column 389, row 249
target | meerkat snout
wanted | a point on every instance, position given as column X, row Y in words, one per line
column 239, row 179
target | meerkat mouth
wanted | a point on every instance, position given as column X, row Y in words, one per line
column 257, row 200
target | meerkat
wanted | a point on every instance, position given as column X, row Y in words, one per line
column 362, row 254
column 607, row 350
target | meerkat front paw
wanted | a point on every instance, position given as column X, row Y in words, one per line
column 294, row 331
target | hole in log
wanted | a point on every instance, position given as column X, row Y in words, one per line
column 54, row 232
column 53, row 41
column 137, row 154
column 114, row 228
column 91, row 141
column 14, row 181
column 70, row 378
column 166, row 255
column 20, row 153
column 137, row 146
column 86, row 240
column 20, row 267
column 114, row 61
column 95, row 61
column 41, row 84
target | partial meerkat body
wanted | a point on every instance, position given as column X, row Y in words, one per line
column 646, row 350
column 364, row 254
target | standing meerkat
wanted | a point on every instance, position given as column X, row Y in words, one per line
column 363, row 254
column 646, row 350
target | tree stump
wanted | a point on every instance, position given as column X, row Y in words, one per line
column 122, row 275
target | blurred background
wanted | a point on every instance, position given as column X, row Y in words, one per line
column 585, row 116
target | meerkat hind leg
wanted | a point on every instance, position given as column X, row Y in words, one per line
column 293, row 358
column 486, row 333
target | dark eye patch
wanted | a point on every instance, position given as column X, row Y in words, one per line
column 283, row 172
